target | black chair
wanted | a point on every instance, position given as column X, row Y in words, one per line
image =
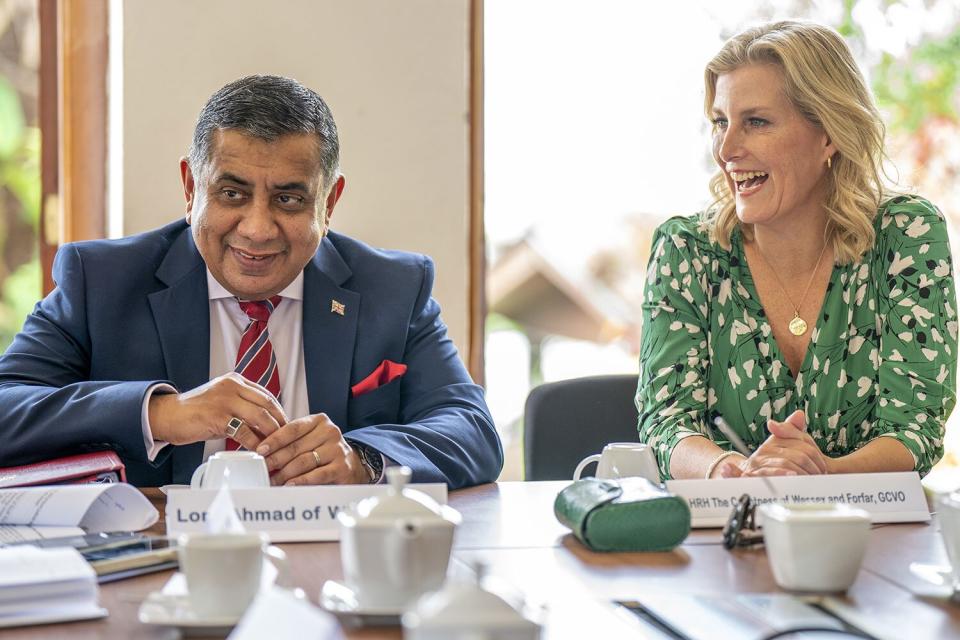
column 566, row 421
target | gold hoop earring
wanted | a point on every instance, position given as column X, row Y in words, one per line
column 829, row 163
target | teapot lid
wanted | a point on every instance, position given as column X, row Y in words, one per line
column 465, row 608
column 399, row 501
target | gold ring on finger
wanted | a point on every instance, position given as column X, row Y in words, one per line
column 316, row 457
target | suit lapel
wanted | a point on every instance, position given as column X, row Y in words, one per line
column 328, row 336
column 182, row 315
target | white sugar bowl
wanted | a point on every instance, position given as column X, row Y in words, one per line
column 466, row 611
column 395, row 548
column 815, row 547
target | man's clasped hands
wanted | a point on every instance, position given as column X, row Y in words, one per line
column 307, row 450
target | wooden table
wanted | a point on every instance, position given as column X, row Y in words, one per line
column 510, row 527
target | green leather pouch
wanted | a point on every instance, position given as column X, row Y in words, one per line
column 630, row 514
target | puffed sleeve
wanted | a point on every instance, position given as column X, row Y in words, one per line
column 917, row 322
column 671, row 394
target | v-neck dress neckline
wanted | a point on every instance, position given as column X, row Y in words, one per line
column 743, row 273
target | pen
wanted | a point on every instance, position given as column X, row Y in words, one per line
column 732, row 436
column 741, row 448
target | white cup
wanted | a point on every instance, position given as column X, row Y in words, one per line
column 235, row 469
column 815, row 547
column 622, row 460
column 223, row 571
column 948, row 515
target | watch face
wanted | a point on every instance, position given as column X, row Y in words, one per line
column 374, row 462
column 371, row 460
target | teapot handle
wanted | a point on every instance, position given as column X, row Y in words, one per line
column 277, row 557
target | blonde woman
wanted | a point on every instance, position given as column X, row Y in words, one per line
column 810, row 309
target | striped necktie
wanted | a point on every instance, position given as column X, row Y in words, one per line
column 255, row 358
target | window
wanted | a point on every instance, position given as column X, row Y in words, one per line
column 20, row 279
column 594, row 134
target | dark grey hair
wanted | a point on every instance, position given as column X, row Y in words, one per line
column 267, row 107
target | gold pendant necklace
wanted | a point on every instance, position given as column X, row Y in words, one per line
column 797, row 326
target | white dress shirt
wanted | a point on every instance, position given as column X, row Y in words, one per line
column 227, row 323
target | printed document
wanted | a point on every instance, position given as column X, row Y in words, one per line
column 31, row 513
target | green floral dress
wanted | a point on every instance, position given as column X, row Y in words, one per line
column 882, row 358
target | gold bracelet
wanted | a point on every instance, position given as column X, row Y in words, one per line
column 720, row 458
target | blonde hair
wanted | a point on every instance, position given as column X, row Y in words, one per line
column 822, row 81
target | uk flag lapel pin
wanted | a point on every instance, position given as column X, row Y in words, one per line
column 337, row 307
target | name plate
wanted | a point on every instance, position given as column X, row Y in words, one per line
column 887, row 497
column 287, row 514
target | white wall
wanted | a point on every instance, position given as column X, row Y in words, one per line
column 395, row 75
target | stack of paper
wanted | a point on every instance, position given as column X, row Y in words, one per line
column 31, row 513
column 46, row 585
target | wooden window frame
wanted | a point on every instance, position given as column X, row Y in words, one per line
column 73, row 124
column 477, row 303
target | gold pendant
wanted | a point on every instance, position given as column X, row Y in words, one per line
column 798, row 325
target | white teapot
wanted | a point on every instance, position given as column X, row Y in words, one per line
column 396, row 548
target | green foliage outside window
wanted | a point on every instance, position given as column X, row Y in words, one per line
column 922, row 86
column 20, row 278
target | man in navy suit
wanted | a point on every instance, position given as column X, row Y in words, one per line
column 249, row 322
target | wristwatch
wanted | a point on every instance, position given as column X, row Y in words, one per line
column 371, row 460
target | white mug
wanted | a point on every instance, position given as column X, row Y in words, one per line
column 622, row 460
column 948, row 515
column 235, row 469
column 814, row 547
column 223, row 570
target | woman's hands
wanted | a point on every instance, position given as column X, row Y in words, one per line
column 789, row 451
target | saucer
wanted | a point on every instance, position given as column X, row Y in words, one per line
column 171, row 607
column 938, row 577
column 175, row 610
column 342, row 601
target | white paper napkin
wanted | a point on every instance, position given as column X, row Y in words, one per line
column 276, row 613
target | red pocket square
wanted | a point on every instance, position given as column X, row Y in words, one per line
column 387, row 371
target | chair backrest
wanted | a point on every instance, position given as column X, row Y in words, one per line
column 566, row 421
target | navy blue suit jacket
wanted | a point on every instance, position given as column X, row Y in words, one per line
column 129, row 313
